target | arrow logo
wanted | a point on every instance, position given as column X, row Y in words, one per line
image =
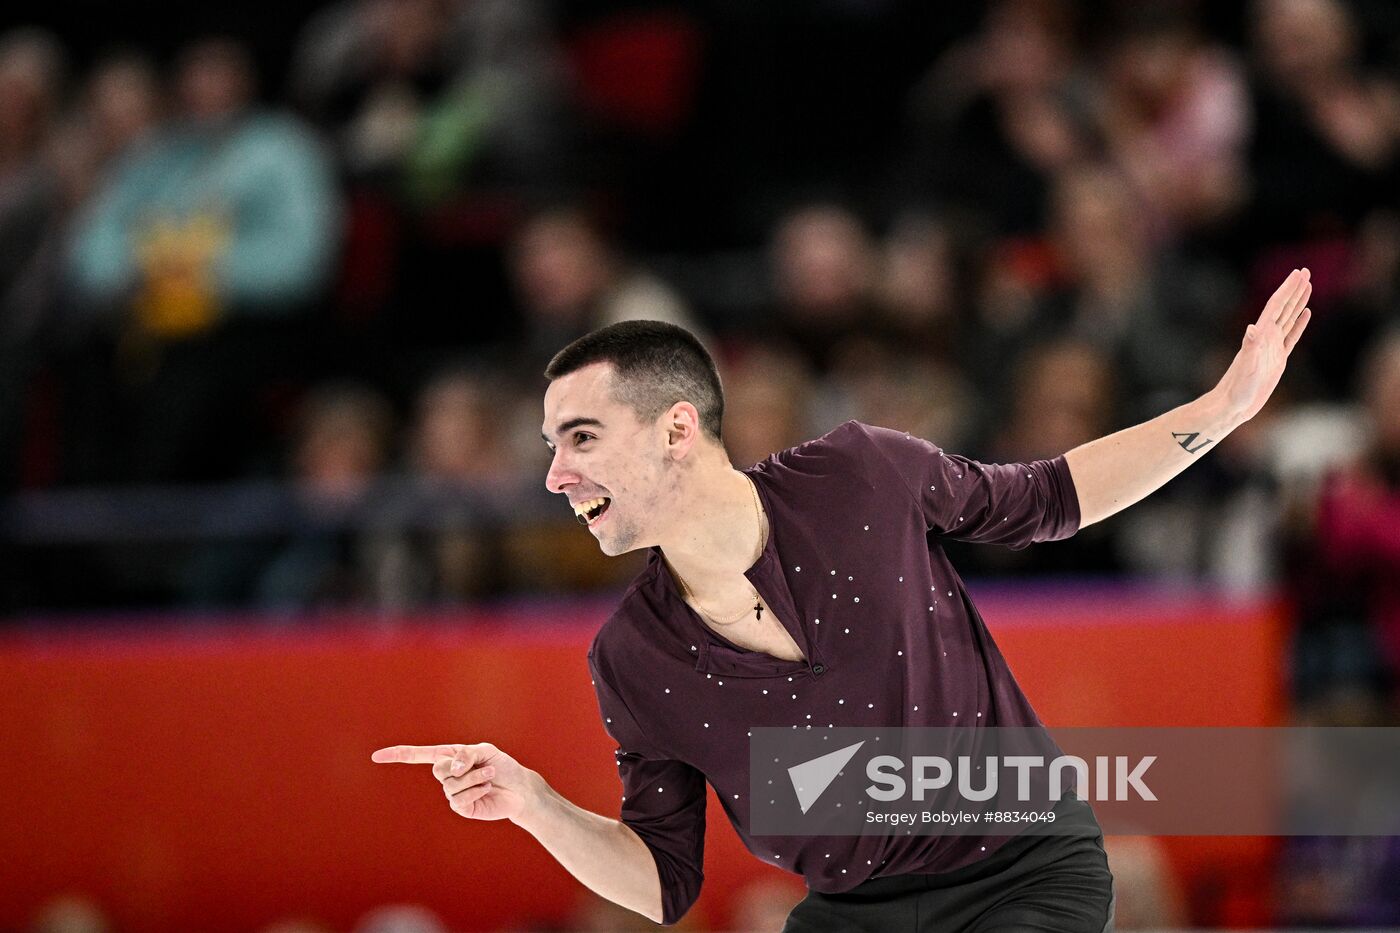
column 811, row 778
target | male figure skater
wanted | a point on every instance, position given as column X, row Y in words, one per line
column 811, row 589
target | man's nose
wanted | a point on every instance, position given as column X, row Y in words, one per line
column 559, row 475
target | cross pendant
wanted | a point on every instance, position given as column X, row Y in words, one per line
column 758, row 610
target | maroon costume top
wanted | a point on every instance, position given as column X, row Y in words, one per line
column 854, row 571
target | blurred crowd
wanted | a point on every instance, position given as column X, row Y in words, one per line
column 321, row 309
column 346, row 289
column 338, row 294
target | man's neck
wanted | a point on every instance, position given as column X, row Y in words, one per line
column 718, row 532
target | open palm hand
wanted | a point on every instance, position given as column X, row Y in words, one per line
column 1258, row 366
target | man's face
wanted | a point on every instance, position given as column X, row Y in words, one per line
column 607, row 458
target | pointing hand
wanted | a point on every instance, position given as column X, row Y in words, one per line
column 481, row 781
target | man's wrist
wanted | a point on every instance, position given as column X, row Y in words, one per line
column 536, row 793
column 1220, row 416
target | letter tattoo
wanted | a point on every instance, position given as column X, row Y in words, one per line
column 1186, row 440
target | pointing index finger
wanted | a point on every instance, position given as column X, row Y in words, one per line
column 413, row 754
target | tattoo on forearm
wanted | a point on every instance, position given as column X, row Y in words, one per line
column 1186, row 440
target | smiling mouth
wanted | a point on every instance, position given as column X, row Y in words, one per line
column 589, row 512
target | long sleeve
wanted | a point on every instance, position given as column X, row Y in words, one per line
column 1013, row 504
column 663, row 801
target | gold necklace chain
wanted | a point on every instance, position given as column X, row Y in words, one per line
column 757, row 607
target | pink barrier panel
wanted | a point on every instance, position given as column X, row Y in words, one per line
column 218, row 778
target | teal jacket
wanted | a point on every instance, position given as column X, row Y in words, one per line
column 265, row 176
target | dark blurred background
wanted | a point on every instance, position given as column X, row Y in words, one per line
column 277, row 284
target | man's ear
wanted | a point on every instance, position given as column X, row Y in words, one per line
column 682, row 423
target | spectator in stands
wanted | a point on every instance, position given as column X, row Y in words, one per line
column 32, row 71
column 1000, row 114
column 1322, row 117
column 343, row 444
column 769, row 392
column 123, row 104
column 918, row 289
column 439, row 536
column 448, row 117
column 569, row 279
column 117, row 109
column 904, row 366
column 1098, row 278
column 824, row 268
column 1064, row 394
column 1348, row 649
column 194, row 258
column 319, row 556
column 1176, row 119
column 435, row 94
column 1366, row 296
column 457, row 442
column 344, row 438
column 232, row 209
column 877, row 383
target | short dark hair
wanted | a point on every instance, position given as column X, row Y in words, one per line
column 656, row 366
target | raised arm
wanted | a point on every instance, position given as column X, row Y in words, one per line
column 483, row 783
column 1113, row 472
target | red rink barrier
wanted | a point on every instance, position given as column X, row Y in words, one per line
column 217, row 777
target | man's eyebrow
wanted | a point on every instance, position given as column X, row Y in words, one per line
column 572, row 423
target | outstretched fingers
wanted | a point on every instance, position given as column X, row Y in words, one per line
column 1289, row 295
column 1296, row 302
column 1295, row 331
column 1286, row 323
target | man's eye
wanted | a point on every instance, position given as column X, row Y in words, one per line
column 580, row 437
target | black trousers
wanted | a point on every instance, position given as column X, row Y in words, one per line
column 1055, row 883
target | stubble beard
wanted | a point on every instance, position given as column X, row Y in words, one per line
column 623, row 539
column 626, row 533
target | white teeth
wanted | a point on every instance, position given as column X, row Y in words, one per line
column 583, row 507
